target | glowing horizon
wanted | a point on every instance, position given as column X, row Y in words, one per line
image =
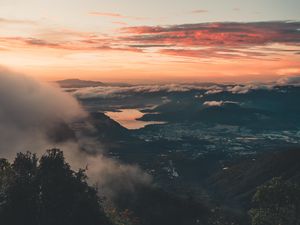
column 141, row 41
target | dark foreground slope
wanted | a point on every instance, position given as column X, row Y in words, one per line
column 237, row 183
column 47, row 191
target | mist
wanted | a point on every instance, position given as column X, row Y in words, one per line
column 32, row 114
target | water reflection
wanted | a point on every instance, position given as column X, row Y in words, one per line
column 128, row 118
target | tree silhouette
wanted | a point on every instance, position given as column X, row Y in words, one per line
column 47, row 192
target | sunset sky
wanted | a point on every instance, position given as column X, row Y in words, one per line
column 157, row 41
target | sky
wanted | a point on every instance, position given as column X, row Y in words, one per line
column 151, row 41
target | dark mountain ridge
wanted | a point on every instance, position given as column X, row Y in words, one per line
column 77, row 83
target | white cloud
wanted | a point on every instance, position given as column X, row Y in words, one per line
column 218, row 103
column 29, row 110
column 115, row 91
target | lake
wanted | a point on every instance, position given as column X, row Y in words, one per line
column 128, row 118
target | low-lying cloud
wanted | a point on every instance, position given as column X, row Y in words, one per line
column 32, row 112
column 107, row 92
column 218, row 103
column 29, row 110
column 116, row 91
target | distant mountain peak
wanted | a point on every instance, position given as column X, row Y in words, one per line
column 77, row 83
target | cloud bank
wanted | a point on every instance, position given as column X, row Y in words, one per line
column 116, row 91
column 220, row 40
column 224, row 40
column 29, row 110
column 106, row 92
column 220, row 34
column 32, row 113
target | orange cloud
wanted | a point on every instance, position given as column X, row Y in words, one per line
column 204, row 40
column 219, row 34
column 259, row 49
column 217, row 53
column 229, row 40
